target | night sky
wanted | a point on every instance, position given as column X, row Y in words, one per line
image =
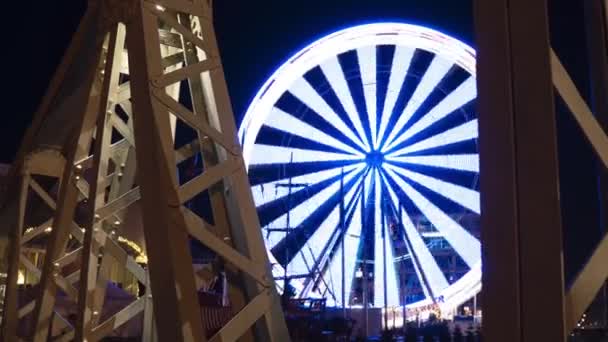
column 255, row 37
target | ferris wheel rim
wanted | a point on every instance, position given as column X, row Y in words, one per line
column 409, row 35
column 404, row 34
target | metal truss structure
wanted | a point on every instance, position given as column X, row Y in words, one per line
column 102, row 140
column 524, row 294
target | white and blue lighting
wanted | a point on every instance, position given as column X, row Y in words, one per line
column 362, row 157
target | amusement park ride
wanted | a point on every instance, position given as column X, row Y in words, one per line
column 347, row 147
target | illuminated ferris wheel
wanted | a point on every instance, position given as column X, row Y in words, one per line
column 362, row 156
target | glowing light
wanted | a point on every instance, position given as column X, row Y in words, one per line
column 435, row 278
column 367, row 66
column 460, row 133
column 401, row 63
column 304, row 209
column 287, row 123
column 268, row 154
column 391, row 161
column 466, row 245
column 466, row 92
column 463, row 162
column 436, row 71
column 270, row 191
column 335, row 76
column 309, row 96
column 466, row 197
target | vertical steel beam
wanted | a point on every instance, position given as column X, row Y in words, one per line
column 77, row 148
column 523, row 283
column 177, row 317
column 595, row 30
column 10, row 317
column 243, row 218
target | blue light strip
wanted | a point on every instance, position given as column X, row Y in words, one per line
column 436, row 71
column 335, row 76
column 306, row 208
column 465, row 197
column 401, row 63
column 309, row 96
column 392, row 287
column 351, row 243
column 270, row 154
column 460, row 133
column 432, row 272
column 285, row 122
column 462, row 162
column 466, row 92
column 465, row 244
column 267, row 192
column 378, row 249
column 367, row 66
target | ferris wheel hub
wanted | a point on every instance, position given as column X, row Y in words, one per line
column 374, row 158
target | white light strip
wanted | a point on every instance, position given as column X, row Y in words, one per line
column 465, row 197
column 392, row 287
column 401, row 64
column 269, row 154
column 465, row 244
column 267, row 192
column 460, row 133
column 466, row 92
column 312, row 249
column 367, row 67
column 378, row 245
column 307, row 256
column 309, row 96
column 432, row 272
column 335, row 75
column 285, row 122
column 351, row 245
column 306, row 208
column 462, row 162
column 436, row 71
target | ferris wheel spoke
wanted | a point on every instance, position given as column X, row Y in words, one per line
column 466, row 131
column 461, row 162
column 466, row 92
column 378, row 242
column 275, row 213
column 270, row 154
column 278, row 190
column 437, row 70
column 306, row 208
column 335, row 76
column 302, row 90
column 400, row 65
column 465, row 244
column 265, row 173
column 320, row 280
column 367, row 68
column 285, row 122
column 433, row 276
column 328, row 273
column 465, row 197
column 310, row 253
column 351, row 243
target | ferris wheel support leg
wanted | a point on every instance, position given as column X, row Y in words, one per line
column 210, row 157
column 10, row 317
column 165, row 231
column 68, row 194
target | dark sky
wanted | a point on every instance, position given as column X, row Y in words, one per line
column 256, row 36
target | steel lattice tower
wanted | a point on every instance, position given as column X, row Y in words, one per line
column 103, row 138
